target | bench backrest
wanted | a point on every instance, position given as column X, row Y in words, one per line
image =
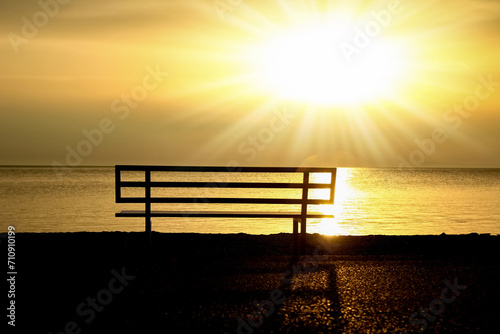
column 148, row 185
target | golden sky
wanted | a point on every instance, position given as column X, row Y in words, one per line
column 281, row 83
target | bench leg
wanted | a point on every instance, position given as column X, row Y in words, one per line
column 148, row 235
column 303, row 236
column 296, row 236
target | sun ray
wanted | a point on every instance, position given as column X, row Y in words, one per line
column 362, row 112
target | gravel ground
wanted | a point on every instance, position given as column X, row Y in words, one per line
column 103, row 283
column 344, row 295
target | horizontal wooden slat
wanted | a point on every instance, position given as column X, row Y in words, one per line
column 222, row 200
column 270, row 185
column 220, row 214
column 226, row 169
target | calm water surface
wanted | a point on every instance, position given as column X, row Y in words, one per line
column 367, row 201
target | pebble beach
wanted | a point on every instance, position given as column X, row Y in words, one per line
column 240, row 283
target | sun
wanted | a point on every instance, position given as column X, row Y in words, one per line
column 308, row 64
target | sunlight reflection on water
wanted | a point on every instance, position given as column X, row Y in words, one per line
column 344, row 194
column 403, row 202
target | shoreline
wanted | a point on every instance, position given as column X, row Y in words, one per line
column 280, row 244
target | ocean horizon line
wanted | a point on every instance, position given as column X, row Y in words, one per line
column 351, row 167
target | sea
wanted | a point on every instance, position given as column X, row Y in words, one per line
column 368, row 201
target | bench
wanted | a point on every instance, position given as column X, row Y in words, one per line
column 156, row 192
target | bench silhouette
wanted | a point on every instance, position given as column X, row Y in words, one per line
column 298, row 217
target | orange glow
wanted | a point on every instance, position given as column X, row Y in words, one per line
column 368, row 77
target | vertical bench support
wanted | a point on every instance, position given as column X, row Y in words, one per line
column 303, row 211
column 332, row 185
column 147, row 195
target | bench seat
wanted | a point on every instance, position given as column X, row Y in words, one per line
column 220, row 214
